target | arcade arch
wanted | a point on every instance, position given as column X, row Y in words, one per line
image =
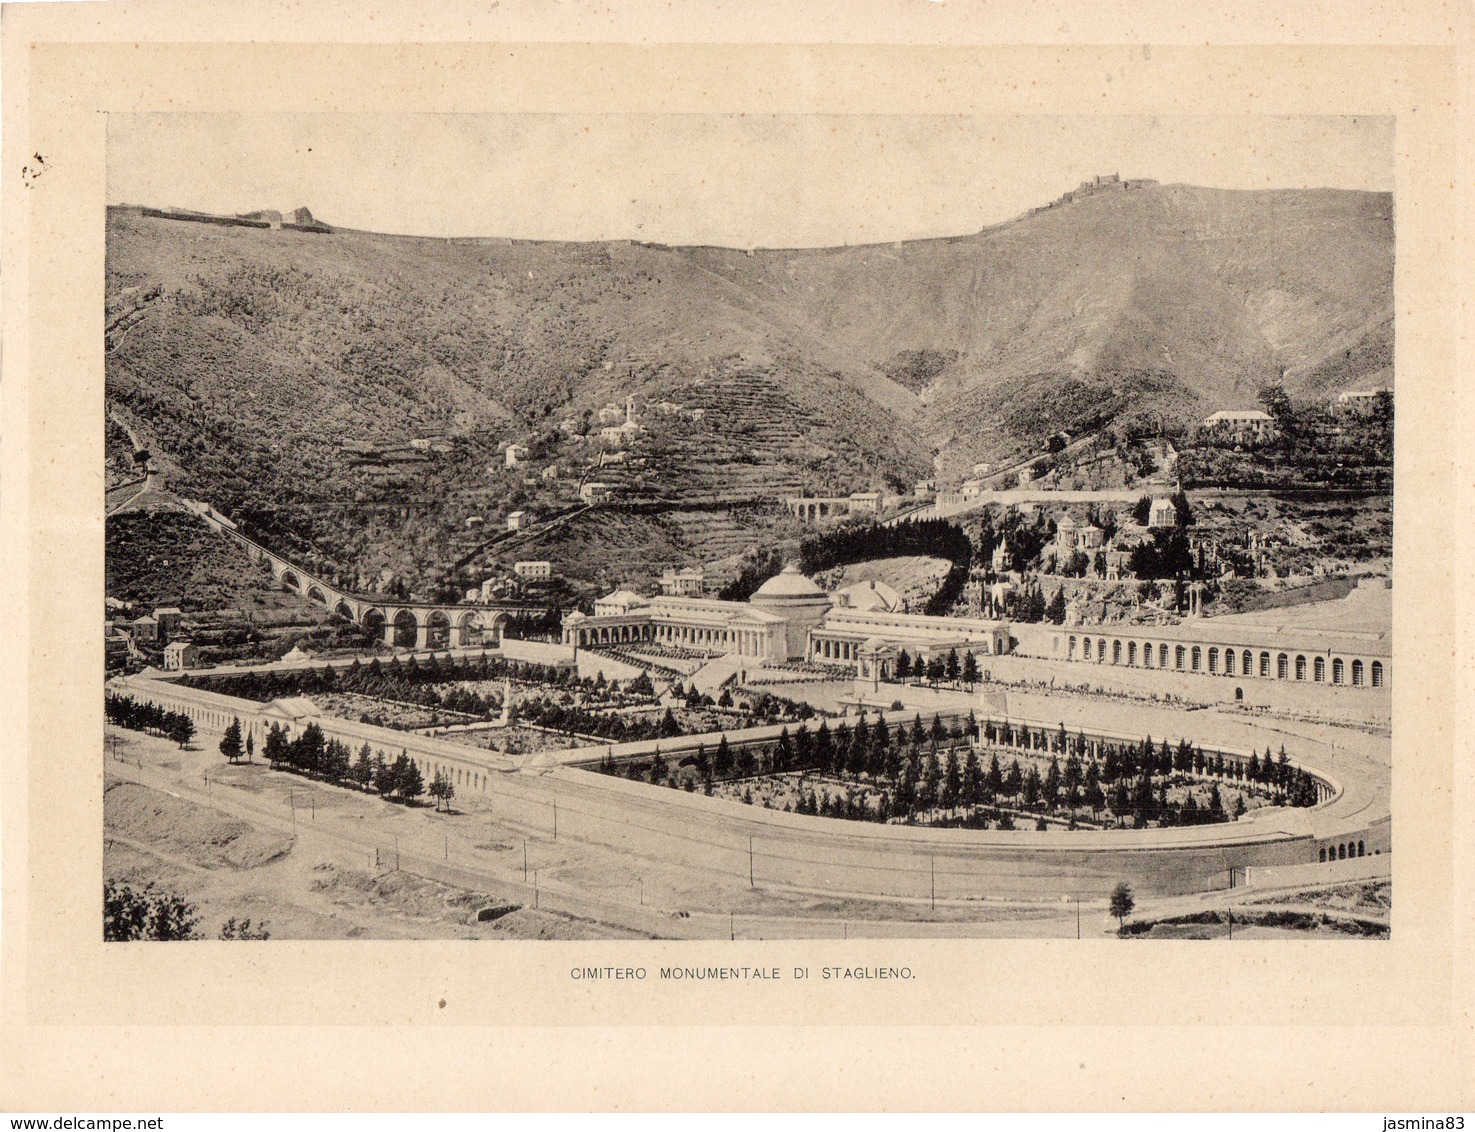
column 373, row 622
column 406, row 629
column 437, row 630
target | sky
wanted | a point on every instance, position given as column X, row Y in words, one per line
column 741, row 180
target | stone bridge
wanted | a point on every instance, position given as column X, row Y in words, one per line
column 406, row 624
column 813, row 508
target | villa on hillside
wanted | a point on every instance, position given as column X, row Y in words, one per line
column 1242, row 424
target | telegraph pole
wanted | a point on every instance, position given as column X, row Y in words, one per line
column 751, row 883
column 934, row 881
column 524, row 860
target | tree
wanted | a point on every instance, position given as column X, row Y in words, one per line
column 903, row 665
column 410, row 784
column 336, row 761
column 951, row 667
column 952, row 781
column 971, row 787
column 442, row 789
column 1050, row 788
column 230, row 742
column 250, row 745
column 274, row 750
column 970, row 669
column 1122, row 904
column 243, row 929
column 936, row 669
column 129, row 915
column 386, row 775
column 1055, row 611
column 307, row 750
column 1275, row 401
column 181, row 729
column 363, row 768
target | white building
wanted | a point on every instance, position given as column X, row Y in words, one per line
column 517, row 520
column 787, row 618
column 865, row 502
column 1162, row 513
column 594, row 492
column 530, row 570
column 179, row 655
column 1245, row 423
column 691, row 582
column 1360, row 398
column 515, row 454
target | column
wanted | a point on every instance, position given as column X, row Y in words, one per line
column 422, row 635
column 389, row 633
column 454, row 640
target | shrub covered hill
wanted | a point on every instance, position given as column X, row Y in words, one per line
column 281, row 373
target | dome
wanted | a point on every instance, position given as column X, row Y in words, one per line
column 789, row 583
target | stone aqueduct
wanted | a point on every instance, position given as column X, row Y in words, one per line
column 412, row 624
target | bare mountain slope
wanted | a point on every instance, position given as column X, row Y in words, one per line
column 245, row 355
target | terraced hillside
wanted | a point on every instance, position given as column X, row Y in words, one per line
column 260, row 365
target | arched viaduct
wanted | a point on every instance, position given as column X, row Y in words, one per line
column 407, row 624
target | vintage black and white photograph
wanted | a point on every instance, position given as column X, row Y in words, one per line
column 748, row 527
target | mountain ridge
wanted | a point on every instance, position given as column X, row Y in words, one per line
column 247, row 353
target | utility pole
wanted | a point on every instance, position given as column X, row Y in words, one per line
column 642, row 890
column 934, row 881
column 535, row 890
column 751, row 883
column 524, row 860
column 555, row 817
column 731, row 926
column 1078, row 917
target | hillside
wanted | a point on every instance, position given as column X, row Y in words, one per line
column 244, row 357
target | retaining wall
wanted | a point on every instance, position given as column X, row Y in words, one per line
column 799, row 851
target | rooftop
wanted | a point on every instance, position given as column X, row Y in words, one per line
column 789, row 583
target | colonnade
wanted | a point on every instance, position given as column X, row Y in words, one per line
column 1221, row 660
